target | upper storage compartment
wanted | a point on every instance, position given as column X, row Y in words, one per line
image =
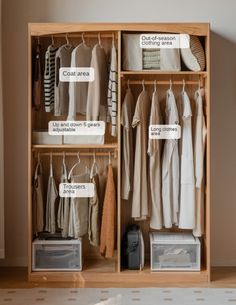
column 162, row 52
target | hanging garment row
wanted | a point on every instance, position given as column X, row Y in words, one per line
column 97, row 100
column 76, row 217
column 165, row 179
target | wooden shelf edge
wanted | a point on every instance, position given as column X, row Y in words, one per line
column 120, row 278
column 63, row 146
column 154, row 72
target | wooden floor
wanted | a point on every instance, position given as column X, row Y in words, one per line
column 224, row 277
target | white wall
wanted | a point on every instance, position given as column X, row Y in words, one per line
column 221, row 15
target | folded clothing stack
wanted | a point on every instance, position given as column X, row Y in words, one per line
column 151, row 59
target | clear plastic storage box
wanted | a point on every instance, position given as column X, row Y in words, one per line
column 175, row 251
column 57, row 255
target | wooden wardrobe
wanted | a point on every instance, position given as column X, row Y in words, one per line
column 97, row 271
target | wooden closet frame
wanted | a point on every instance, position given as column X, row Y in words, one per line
column 120, row 278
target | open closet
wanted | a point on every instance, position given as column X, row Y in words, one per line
column 142, row 87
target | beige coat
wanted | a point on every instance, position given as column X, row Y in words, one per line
column 127, row 113
column 140, row 200
column 97, row 90
column 78, row 91
column 154, row 152
column 200, row 132
column 170, row 167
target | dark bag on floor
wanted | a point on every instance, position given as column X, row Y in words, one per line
column 134, row 248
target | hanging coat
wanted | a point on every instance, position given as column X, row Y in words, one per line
column 49, row 77
column 187, row 188
column 170, row 167
column 62, row 60
column 127, row 113
column 154, row 152
column 200, row 132
column 38, row 203
column 97, row 90
column 140, row 199
column 112, row 92
column 108, row 226
column 37, row 77
column 78, row 91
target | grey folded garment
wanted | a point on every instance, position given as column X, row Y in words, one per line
column 151, row 59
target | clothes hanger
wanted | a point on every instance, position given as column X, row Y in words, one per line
column 38, row 40
column 109, row 158
column 68, row 45
column 113, row 39
column 155, row 86
column 99, row 40
column 94, row 166
column 128, row 87
column 51, row 166
column 143, row 85
column 76, row 164
column 83, row 39
column 64, row 164
column 38, row 165
column 170, row 85
column 52, row 40
column 183, row 88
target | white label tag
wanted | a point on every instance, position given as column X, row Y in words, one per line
column 76, row 74
column 167, row 132
column 76, row 128
column 164, row 41
column 73, row 190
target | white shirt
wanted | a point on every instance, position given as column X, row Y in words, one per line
column 187, row 188
column 170, row 167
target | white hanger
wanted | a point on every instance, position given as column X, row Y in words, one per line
column 183, row 89
column 99, row 39
column 199, row 84
column 170, row 85
column 94, row 166
column 74, row 166
column 51, row 167
column 143, row 85
column 83, row 39
column 52, row 39
column 113, row 39
column 155, row 86
column 64, row 164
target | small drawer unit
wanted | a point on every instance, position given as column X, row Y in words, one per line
column 175, row 252
column 57, row 255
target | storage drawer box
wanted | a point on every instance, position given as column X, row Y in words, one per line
column 57, row 255
column 175, row 251
column 43, row 137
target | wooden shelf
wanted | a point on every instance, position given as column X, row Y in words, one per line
column 155, row 72
column 121, row 279
column 74, row 146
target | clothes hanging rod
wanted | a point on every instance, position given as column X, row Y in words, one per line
column 86, row 35
column 82, row 154
column 140, row 82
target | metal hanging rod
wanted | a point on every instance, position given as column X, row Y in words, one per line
column 140, row 82
column 82, row 34
column 82, row 154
